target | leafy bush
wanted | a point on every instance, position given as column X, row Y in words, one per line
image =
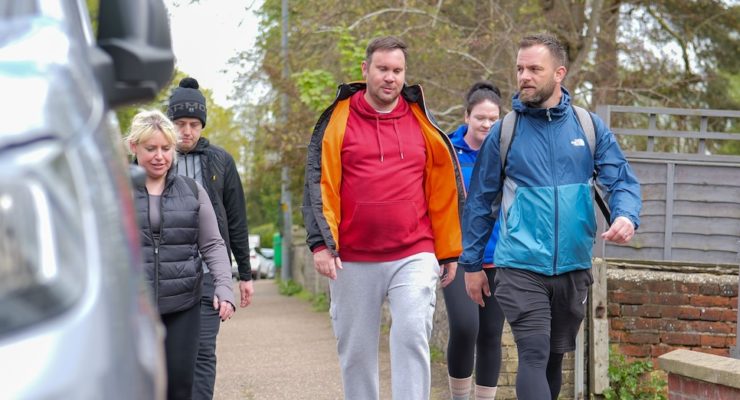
column 320, row 302
column 633, row 380
column 289, row 288
column 265, row 232
column 436, row 354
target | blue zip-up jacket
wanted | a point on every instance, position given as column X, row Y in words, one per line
column 548, row 224
column 467, row 156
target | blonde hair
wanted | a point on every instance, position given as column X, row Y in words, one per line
column 147, row 123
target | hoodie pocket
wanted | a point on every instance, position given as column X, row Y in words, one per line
column 383, row 226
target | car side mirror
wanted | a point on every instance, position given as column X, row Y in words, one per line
column 133, row 60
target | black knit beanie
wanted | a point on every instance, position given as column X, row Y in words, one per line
column 187, row 101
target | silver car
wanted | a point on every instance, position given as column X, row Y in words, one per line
column 266, row 256
column 76, row 321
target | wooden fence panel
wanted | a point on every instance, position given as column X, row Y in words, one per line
column 691, row 201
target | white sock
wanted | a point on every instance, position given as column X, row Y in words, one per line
column 460, row 388
column 485, row 392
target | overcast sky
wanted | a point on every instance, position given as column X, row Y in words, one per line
column 206, row 34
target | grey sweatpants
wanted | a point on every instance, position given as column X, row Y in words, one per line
column 357, row 297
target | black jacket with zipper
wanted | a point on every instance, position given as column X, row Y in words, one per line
column 221, row 181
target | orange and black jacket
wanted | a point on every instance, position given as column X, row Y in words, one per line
column 443, row 183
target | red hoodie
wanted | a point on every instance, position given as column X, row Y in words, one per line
column 384, row 210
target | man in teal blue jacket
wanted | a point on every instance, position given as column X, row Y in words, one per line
column 547, row 226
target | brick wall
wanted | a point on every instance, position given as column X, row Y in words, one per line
column 700, row 376
column 653, row 312
column 683, row 388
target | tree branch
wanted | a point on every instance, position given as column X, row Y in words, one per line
column 402, row 10
column 436, row 12
column 588, row 40
column 448, row 111
column 681, row 42
column 471, row 58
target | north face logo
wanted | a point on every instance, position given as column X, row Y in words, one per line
column 578, row 142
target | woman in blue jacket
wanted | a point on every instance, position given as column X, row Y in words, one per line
column 475, row 332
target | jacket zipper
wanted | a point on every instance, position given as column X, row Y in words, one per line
column 156, row 271
column 158, row 241
column 555, row 194
column 156, row 249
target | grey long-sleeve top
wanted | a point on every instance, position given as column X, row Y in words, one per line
column 210, row 243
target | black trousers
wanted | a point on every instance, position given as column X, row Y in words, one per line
column 205, row 364
column 181, row 347
column 475, row 333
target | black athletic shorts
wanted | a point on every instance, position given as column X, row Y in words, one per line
column 539, row 304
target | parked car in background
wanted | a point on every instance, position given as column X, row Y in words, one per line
column 266, row 257
column 254, row 262
column 76, row 319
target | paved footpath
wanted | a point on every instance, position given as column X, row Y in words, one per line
column 279, row 348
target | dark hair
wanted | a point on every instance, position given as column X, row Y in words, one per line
column 480, row 92
column 556, row 48
column 386, row 43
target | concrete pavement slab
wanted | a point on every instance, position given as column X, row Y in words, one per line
column 280, row 348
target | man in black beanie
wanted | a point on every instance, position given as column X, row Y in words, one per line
column 215, row 169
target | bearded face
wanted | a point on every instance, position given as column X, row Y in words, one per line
column 538, row 77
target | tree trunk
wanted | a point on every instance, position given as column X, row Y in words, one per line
column 566, row 19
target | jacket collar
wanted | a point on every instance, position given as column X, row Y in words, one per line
column 171, row 176
column 411, row 93
column 200, row 147
column 458, row 138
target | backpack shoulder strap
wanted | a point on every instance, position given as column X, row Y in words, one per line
column 587, row 123
column 584, row 117
column 507, row 134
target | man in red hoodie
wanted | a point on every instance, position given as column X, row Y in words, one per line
column 382, row 202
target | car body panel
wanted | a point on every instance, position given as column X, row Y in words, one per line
column 60, row 146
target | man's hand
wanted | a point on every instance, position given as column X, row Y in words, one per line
column 225, row 309
column 476, row 284
column 326, row 264
column 620, row 232
column 447, row 273
column 246, row 289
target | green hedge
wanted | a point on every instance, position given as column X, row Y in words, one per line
column 266, row 232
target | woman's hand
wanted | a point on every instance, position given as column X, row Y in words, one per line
column 447, row 273
column 225, row 309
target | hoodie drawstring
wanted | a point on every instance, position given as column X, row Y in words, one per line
column 398, row 137
column 380, row 142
